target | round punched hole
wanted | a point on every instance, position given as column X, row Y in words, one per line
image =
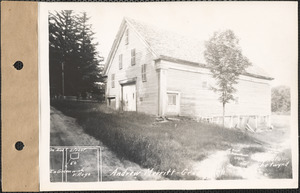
column 19, row 145
column 18, row 65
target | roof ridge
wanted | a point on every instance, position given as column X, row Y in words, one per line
column 171, row 44
column 150, row 25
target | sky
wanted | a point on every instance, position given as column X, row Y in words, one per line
column 268, row 31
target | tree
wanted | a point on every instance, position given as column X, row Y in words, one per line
column 89, row 60
column 62, row 46
column 74, row 61
column 226, row 61
column 281, row 99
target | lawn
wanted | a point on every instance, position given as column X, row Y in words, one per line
column 152, row 144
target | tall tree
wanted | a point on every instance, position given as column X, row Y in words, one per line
column 89, row 59
column 226, row 61
column 74, row 61
column 63, row 34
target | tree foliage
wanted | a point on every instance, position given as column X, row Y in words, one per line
column 281, row 99
column 74, row 62
column 226, row 61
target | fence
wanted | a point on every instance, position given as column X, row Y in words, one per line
column 253, row 122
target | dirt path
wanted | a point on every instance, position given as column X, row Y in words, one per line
column 66, row 132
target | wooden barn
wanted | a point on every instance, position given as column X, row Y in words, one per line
column 158, row 72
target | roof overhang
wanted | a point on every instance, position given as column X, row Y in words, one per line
column 128, row 81
column 200, row 65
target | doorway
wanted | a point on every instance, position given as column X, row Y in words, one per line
column 129, row 97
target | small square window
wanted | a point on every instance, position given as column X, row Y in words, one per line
column 111, row 101
column 171, row 99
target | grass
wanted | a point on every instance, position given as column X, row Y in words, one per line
column 139, row 138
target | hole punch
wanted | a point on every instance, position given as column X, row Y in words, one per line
column 18, row 65
column 19, row 145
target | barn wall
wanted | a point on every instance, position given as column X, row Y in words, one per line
column 147, row 92
column 253, row 96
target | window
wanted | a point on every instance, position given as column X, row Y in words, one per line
column 144, row 77
column 120, row 61
column 126, row 37
column 171, row 99
column 132, row 57
column 111, row 101
column 113, row 81
column 236, row 100
column 204, row 84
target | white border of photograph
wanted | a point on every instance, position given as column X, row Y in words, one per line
column 44, row 95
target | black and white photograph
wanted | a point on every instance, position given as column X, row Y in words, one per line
column 186, row 95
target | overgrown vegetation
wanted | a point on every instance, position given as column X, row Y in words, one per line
column 281, row 100
column 139, row 138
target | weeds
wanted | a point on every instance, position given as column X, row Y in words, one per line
column 169, row 145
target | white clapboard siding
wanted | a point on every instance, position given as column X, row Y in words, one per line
column 166, row 74
column 147, row 92
column 253, row 97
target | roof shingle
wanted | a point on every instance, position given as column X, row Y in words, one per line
column 174, row 45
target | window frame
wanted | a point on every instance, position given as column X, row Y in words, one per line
column 174, row 98
column 133, row 57
column 144, row 73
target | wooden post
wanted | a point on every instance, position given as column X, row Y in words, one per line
column 162, row 91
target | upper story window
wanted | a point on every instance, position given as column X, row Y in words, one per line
column 113, row 81
column 126, row 37
column 120, row 61
column 204, row 84
column 236, row 100
column 132, row 57
column 144, row 74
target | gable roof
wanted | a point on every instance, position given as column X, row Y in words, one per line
column 168, row 45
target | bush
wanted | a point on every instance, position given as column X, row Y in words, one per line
column 281, row 99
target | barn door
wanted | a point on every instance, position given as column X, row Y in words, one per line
column 129, row 97
column 173, row 106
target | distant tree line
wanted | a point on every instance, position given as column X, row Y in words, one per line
column 281, row 99
column 74, row 63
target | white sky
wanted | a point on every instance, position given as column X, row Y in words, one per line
column 268, row 31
